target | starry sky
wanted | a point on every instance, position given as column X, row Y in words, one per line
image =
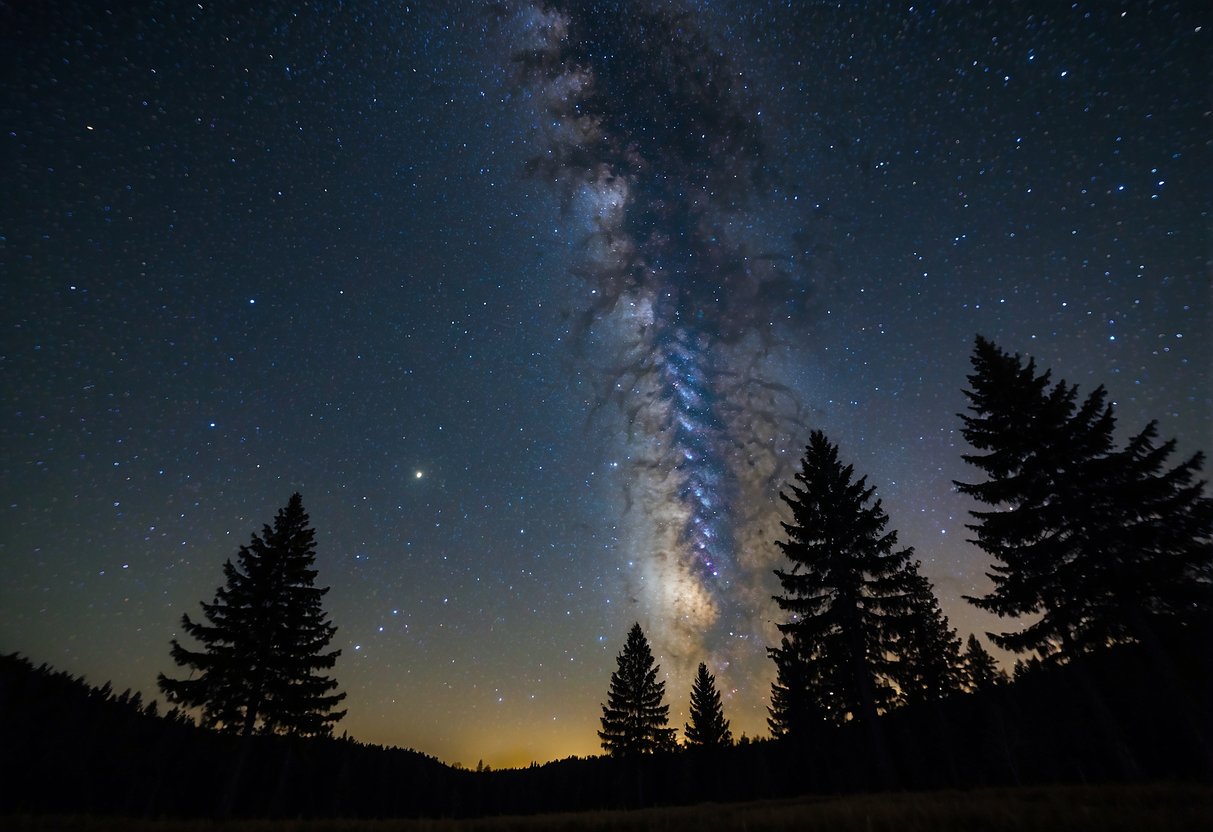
column 536, row 305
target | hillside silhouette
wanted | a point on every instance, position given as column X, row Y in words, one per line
column 74, row 748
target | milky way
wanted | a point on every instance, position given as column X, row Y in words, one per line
column 652, row 138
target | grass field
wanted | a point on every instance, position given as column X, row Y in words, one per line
column 1156, row 808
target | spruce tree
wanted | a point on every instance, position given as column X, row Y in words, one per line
column 708, row 728
column 980, row 670
column 845, row 596
column 634, row 718
column 1102, row 546
column 928, row 667
column 260, row 667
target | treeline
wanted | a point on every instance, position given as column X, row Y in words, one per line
column 1101, row 554
column 69, row 747
column 1040, row 729
column 72, row 748
column 1093, row 546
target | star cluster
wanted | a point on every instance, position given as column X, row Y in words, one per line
column 534, row 303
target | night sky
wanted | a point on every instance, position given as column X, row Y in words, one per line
column 536, row 306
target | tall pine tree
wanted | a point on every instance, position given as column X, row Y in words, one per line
column 634, row 718
column 708, row 728
column 263, row 640
column 845, row 596
column 1102, row 546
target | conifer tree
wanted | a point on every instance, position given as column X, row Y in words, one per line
column 845, row 596
column 708, row 728
column 263, row 640
column 634, row 718
column 928, row 667
column 980, row 670
column 1102, row 545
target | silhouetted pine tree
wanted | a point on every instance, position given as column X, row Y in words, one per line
column 929, row 653
column 708, row 728
column 981, row 671
column 634, row 718
column 263, row 640
column 1101, row 544
column 1041, row 448
column 845, row 595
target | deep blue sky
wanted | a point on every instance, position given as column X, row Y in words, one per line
column 246, row 251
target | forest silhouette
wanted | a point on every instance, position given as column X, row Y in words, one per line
column 1107, row 549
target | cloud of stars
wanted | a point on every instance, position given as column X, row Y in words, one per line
column 654, row 142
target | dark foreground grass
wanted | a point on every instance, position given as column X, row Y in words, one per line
column 1158, row 808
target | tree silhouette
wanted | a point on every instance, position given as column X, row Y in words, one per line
column 1103, row 545
column 846, row 596
column 263, row 640
column 929, row 668
column 708, row 728
column 634, row 718
column 980, row 670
